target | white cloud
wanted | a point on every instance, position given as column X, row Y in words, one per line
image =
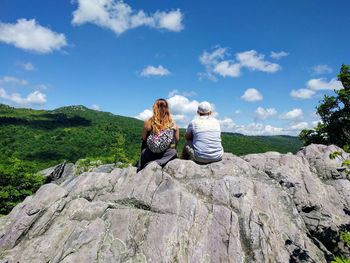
column 29, row 35
column 238, row 111
column 155, row 71
column 262, row 129
column 145, row 115
column 95, row 107
column 210, row 60
column 292, row 115
column 218, row 63
column 227, row 69
column 27, row 66
column 183, row 93
column 299, row 126
column 263, row 114
column 120, row 17
column 252, row 95
column 179, row 104
column 278, row 55
column 315, row 123
column 13, row 81
column 227, row 125
column 179, row 117
column 255, row 61
column 322, row 69
column 171, row 21
column 302, row 93
column 259, row 129
column 323, row 84
column 34, row 98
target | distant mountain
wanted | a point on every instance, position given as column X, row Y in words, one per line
column 73, row 132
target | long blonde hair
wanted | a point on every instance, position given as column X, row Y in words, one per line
column 161, row 118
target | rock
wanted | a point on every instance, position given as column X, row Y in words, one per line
column 59, row 173
column 267, row 207
column 105, row 168
column 318, row 158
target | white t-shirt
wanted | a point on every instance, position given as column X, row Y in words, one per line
column 206, row 137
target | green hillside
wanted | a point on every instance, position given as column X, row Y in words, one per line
column 70, row 133
column 32, row 140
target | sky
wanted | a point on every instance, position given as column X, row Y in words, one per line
column 264, row 65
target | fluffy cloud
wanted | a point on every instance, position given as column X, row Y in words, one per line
column 302, row 93
column 299, row 126
column 323, row 84
column 315, row 123
column 95, row 107
column 184, row 93
column 29, row 35
column 252, row 95
column 314, row 85
column 181, row 105
column 263, row 114
column 120, row 17
column 155, row 71
column 278, row 55
column 219, row 63
column 227, row 69
column 227, row 125
column 259, row 129
column 262, row 129
column 255, row 61
column 322, row 69
column 34, row 98
column 145, row 115
column 210, row 60
column 294, row 114
column 12, row 80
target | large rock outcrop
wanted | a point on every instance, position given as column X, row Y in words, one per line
column 268, row 207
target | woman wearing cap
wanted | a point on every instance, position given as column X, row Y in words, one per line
column 160, row 124
column 203, row 137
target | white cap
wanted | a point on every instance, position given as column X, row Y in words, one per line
column 204, row 107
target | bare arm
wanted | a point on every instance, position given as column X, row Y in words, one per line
column 177, row 132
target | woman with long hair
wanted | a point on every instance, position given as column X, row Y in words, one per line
column 159, row 136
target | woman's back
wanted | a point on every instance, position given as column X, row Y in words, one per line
column 160, row 135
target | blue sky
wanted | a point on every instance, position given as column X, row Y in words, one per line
column 264, row 65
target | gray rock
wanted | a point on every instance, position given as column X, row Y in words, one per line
column 59, row 173
column 320, row 163
column 267, row 207
column 105, row 168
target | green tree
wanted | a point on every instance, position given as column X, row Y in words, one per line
column 16, row 183
column 118, row 149
column 335, row 115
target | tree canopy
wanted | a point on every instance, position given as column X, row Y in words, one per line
column 335, row 115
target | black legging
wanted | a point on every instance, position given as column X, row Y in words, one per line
column 162, row 158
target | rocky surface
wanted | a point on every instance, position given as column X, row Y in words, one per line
column 267, row 207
